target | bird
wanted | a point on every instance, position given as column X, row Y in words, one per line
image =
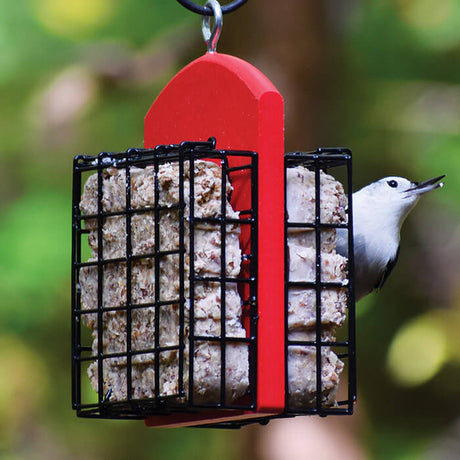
column 379, row 211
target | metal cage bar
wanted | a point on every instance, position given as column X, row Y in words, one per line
column 129, row 254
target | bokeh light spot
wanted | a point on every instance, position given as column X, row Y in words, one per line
column 425, row 13
column 418, row 351
column 75, row 18
column 23, row 386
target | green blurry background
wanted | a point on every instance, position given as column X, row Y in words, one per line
column 381, row 77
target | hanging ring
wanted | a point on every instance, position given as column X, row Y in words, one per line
column 205, row 11
column 212, row 37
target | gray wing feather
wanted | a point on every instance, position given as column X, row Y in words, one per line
column 388, row 269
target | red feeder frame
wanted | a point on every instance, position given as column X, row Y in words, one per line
column 223, row 96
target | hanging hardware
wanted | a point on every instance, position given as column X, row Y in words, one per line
column 212, row 37
column 207, row 11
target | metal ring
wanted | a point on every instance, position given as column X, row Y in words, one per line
column 211, row 38
column 205, row 11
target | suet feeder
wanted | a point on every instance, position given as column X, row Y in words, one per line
column 190, row 310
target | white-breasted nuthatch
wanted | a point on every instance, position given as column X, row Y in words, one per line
column 379, row 210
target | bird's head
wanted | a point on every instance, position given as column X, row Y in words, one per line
column 397, row 195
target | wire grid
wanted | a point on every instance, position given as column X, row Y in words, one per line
column 324, row 159
column 182, row 400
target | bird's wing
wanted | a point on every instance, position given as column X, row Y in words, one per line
column 386, row 273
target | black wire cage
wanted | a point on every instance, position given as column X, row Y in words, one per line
column 162, row 240
column 165, row 296
column 331, row 294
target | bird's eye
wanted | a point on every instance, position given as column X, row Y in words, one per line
column 392, row 183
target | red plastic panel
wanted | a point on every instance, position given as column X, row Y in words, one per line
column 225, row 97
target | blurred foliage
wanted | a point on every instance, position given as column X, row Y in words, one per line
column 30, row 283
column 78, row 77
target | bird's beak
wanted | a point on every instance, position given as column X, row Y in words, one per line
column 419, row 188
